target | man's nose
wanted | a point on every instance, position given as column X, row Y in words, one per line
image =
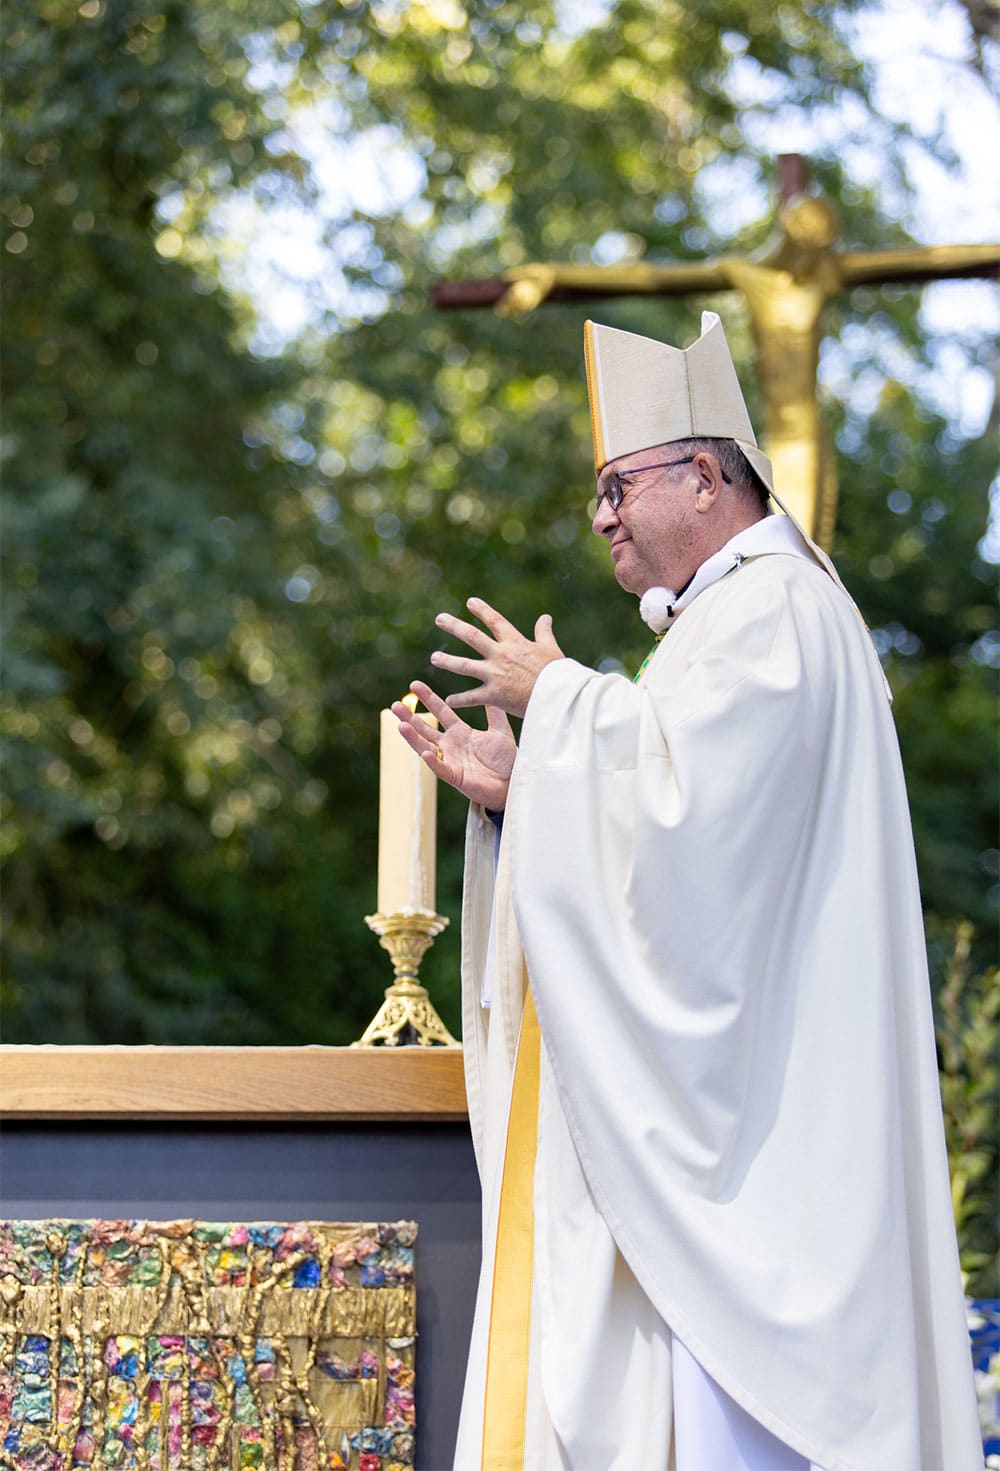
column 605, row 518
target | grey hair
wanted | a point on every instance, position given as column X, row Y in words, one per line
column 734, row 463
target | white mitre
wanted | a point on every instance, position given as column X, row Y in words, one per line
column 645, row 393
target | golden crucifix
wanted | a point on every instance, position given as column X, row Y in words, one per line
column 785, row 286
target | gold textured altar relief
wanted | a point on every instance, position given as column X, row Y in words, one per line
column 192, row 1345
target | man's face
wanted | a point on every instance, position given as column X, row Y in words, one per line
column 653, row 533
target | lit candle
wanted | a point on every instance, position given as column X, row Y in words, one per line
column 407, row 822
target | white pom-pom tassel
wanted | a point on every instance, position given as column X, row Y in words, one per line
column 655, row 607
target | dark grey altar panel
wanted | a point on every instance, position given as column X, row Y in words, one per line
column 283, row 1172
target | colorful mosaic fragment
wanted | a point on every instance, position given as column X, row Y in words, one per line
column 203, row 1346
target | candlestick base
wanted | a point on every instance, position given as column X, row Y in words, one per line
column 406, row 1017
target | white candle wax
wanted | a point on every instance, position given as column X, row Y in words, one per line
column 407, row 823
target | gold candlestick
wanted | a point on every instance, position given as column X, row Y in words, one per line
column 406, row 1016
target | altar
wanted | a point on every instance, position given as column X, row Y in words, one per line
column 122, row 1134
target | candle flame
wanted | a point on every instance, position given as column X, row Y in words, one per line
column 411, row 702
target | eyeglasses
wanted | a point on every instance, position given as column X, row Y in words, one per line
column 612, row 485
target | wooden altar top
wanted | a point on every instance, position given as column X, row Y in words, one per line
column 278, row 1084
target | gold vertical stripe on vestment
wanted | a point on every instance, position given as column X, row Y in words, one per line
column 594, row 393
column 506, row 1394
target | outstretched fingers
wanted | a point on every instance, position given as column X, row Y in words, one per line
column 467, row 632
column 544, row 634
column 433, row 703
column 469, row 699
column 456, row 664
column 417, row 734
column 496, row 721
column 498, row 625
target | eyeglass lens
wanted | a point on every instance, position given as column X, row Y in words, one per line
column 611, row 489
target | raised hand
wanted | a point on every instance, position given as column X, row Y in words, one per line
column 509, row 662
column 477, row 762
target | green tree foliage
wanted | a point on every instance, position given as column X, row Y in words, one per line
column 968, row 1031
column 912, row 519
column 158, row 704
column 223, row 559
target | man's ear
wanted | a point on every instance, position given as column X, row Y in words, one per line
column 710, row 481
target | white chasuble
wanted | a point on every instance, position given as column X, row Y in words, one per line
column 709, row 879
